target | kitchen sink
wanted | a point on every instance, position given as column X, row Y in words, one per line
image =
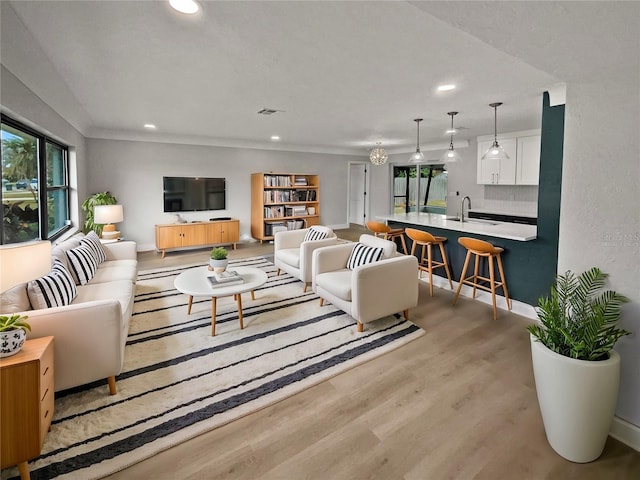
column 472, row 220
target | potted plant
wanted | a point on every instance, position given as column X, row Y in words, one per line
column 218, row 260
column 13, row 332
column 576, row 370
column 102, row 198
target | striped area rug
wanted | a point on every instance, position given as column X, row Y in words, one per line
column 179, row 382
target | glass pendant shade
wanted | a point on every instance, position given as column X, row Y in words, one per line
column 450, row 155
column 418, row 156
column 495, row 151
column 378, row 155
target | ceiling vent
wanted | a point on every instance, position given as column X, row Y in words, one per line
column 267, row 111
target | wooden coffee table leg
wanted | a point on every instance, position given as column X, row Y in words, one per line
column 213, row 316
column 253, row 296
column 189, row 306
column 239, row 299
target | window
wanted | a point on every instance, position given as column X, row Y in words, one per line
column 427, row 190
column 35, row 184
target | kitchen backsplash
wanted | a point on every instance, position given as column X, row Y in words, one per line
column 516, row 199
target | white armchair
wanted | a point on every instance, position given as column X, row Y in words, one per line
column 371, row 291
column 293, row 255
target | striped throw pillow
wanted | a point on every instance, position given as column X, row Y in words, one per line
column 56, row 289
column 92, row 241
column 363, row 254
column 314, row 234
column 82, row 263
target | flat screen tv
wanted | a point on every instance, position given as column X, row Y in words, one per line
column 192, row 194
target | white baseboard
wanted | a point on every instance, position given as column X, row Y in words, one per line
column 626, row 432
column 517, row 307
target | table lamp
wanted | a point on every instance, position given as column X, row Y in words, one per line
column 21, row 262
column 107, row 215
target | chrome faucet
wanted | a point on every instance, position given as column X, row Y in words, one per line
column 462, row 207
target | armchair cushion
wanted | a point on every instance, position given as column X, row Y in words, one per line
column 337, row 282
column 290, row 256
column 56, row 289
column 363, row 254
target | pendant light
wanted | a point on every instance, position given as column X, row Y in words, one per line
column 451, row 155
column 495, row 152
column 378, row 155
column 417, row 157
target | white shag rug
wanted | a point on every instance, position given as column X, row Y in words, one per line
column 178, row 381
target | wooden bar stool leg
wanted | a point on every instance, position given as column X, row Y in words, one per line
column 464, row 271
column 504, row 283
column 492, row 280
column 430, row 266
column 475, row 274
column 404, row 245
column 446, row 263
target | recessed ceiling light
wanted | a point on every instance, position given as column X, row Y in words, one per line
column 150, row 126
column 185, row 6
column 446, row 88
column 275, row 137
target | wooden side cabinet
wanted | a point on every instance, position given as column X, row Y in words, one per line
column 26, row 402
column 198, row 234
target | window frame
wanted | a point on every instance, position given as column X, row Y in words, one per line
column 43, row 188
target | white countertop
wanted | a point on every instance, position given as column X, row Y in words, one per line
column 512, row 231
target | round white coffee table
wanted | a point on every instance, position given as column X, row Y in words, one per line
column 194, row 282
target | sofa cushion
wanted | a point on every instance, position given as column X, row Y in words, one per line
column 53, row 290
column 120, row 290
column 290, row 256
column 115, row 270
column 316, row 233
column 92, row 241
column 363, row 254
column 82, row 264
column 337, row 282
column 15, row 299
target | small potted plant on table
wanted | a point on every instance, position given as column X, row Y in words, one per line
column 13, row 333
column 218, row 261
column 576, row 370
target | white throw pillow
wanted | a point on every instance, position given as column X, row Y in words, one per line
column 362, row 254
column 92, row 241
column 82, row 263
column 53, row 290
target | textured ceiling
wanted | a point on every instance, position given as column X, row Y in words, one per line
column 344, row 74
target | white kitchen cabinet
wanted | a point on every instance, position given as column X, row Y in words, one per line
column 528, row 160
column 497, row 172
column 523, row 166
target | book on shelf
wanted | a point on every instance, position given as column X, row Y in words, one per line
column 302, row 181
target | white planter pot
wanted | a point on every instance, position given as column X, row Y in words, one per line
column 11, row 342
column 219, row 265
column 577, row 400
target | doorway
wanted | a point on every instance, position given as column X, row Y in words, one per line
column 358, row 186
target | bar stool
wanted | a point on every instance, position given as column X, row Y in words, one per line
column 425, row 239
column 388, row 233
column 480, row 248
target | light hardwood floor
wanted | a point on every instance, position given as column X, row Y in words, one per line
column 457, row 403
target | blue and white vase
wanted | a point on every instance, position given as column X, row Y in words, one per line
column 11, row 342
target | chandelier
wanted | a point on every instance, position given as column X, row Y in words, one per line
column 378, row 155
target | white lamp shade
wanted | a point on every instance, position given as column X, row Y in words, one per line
column 21, row 262
column 107, row 214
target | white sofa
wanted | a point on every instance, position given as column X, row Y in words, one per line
column 90, row 333
column 293, row 255
column 367, row 292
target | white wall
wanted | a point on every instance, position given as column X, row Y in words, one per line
column 600, row 213
column 133, row 172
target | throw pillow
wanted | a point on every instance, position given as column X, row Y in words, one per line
column 362, row 254
column 15, row 299
column 92, row 241
column 53, row 290
column 314, row 234
column 82, row 263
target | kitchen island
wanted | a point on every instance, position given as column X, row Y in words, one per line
column 524, row 257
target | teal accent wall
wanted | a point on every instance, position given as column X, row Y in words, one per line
column 530, row 267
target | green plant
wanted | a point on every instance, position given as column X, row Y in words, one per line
column 102, row 198
column 219, row 253
column 14, row 322
column 576, row 320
